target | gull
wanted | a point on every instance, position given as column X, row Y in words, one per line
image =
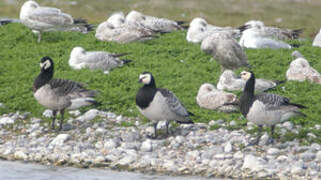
column 42, row 19
column 255, row 37
column 106, row 61
column 300, row 70
column 225, row 50
column 209, row 97
column 230, row 82
column 317, row 40
column 275, row 32
column 199, row 29
column 155, row 24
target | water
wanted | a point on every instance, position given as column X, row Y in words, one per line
column 22, row 171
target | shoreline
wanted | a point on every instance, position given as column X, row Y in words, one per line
column 106, row 140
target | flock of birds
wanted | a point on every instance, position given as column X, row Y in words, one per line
column 225, row 44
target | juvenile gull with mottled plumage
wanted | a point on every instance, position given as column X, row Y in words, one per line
column 41, row 19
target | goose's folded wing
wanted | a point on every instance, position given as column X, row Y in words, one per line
column 63, row 87
column 173, row 102
column 272, row 101
column 50, row 16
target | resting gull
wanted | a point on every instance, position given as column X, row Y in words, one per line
column 300, row 70
column 209, row 97
column 317, row 40
column 41, row 19
column 255, row 37
column 155, row 24
column 229, row 81
column 275, row 32
column 106, row 61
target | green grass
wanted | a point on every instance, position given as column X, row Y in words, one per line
column 20, row 55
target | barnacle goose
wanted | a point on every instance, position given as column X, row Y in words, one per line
column 265, row 108
column 158, row 104
column 59, row 94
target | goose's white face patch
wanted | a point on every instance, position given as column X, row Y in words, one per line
column 45, row 64
column 145, row 78
column 245, row 75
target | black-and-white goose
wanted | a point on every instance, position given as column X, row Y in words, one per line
column 158, row 104
column 59, row 94
column 265, row 108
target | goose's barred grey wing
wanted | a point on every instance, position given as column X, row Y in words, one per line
column 173, row 102
column 64, row 87
column 274, row 101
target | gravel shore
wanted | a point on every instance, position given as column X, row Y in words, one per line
column 100, row 139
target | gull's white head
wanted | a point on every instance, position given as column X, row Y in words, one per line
column 196, row 34
column 229, row 75
column 297, row 54
column 117, row 19
column 245, row 75
column 299, row 63
column 205, row 88
column 135, row 16
column 199, row 22
column 27, row 7
column 74, row 59
column 255, row 24
column 146, row 78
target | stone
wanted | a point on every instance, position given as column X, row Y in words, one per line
column 2, row 105
column 297, row 170
column 100, row 131
column 233, row 123
column 264, row 139
column 47, row 113
column 192, row 155
column 228, row 147
column 180, row 139
column 109, row 144
column 60, row 140
column 317, row 126
column 146, row 146
column 99, row 159
column 273, row 151
column 238, row 155
column 67, row 127
column 318, row 156
column 311, row 135
column 88, row 116
column 253, row 163
column 282, row 158
column 20, row 155
column 99, row 145
column 128, row 159
column 307, row 156
column 288, row 125
column 6, row 120
column 75, row 113
column 211, row 123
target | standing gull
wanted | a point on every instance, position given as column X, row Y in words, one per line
column 59, row 94
column 265, row 109
column 106, row 61
column 158, row 104
column 225, row 50
column 300, row 70
column 209, row 97
column 41, row 19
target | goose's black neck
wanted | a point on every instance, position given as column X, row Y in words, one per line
column 145, row 94
column 247, row 97
column 43, row 78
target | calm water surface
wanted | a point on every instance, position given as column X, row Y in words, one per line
column 22, row 171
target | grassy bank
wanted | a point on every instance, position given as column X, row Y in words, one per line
column 284, row 13
column 177, row 65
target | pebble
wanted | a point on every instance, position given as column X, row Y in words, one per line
column 88, row 116
column 6, row 120
column 228, row 147
column 20, row 155
column 273, row 151
column 60, row 140
column 146, row 146
column 288, row 125
column 47, row 113
column 253, row 163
